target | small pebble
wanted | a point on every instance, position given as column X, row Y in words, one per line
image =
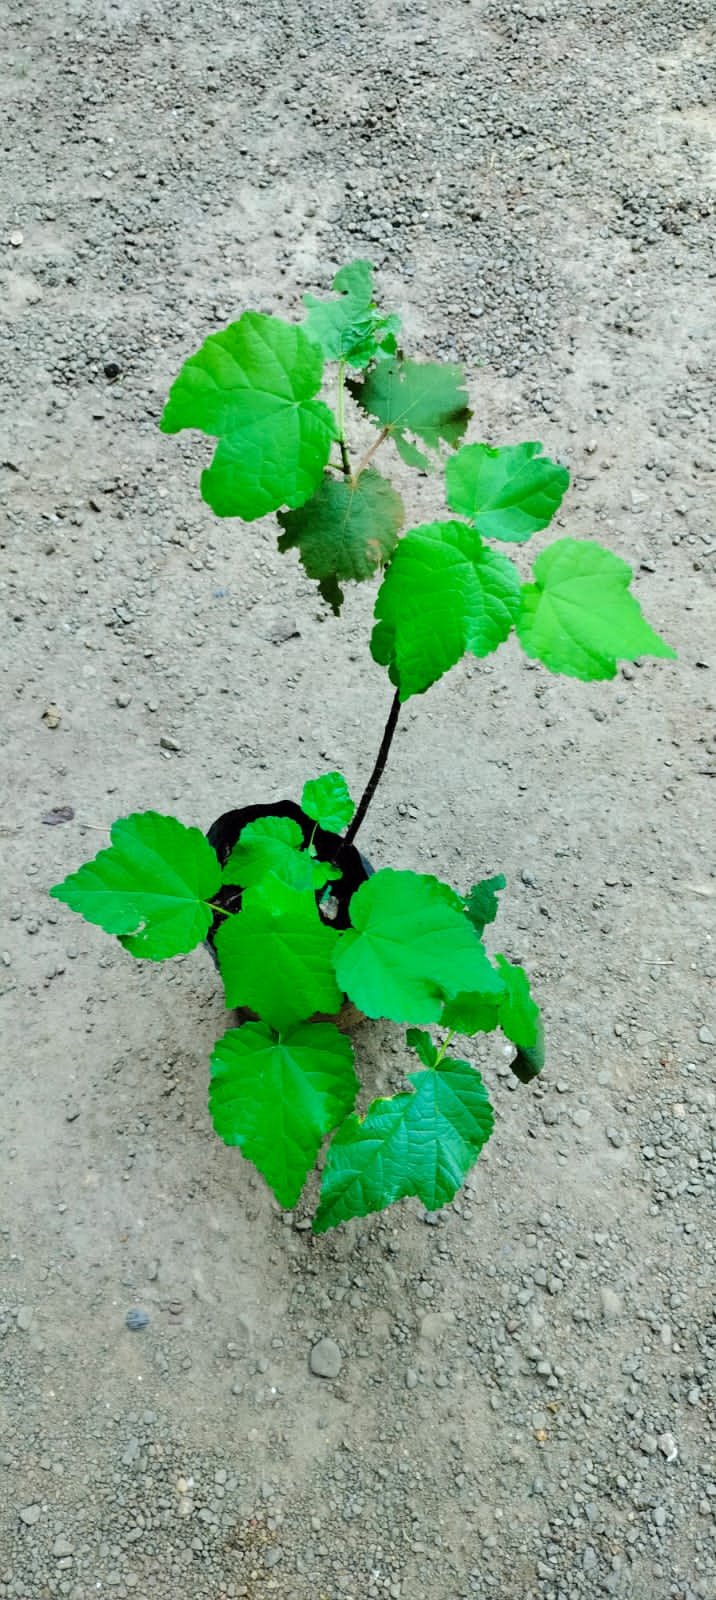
column 325, row 1360
column 135, row 1320
column 668, row 1446
column 30, row 1515
column 24, row 1318
column 611, row 1304
column 411, row 1378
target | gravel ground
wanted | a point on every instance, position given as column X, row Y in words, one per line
column 515, row 1400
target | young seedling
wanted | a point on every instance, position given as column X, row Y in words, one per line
column 291, row 942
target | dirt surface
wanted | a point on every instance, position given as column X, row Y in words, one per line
column 524, row 1404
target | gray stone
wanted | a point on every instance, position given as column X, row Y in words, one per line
column 325, row 1360
column 61, row 1547
column 24, row 1318
column 434, row 1325
column 668, row 1446
column 30, row 1515
column 611, row 1304
column 411, row 1378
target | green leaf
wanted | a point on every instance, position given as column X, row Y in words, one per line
column 470, row 1012
column 252, row 387
column 350, row 328
column 528, row 1063
column 410, row 946
column 519, row 1015
column 422, row 1044
column 149, row 887
column 275, row 844
column 445, row 592
column 511, row 1008
column 275, row 956
column 327, row 801
column 346, row 529
column 508, row 493
column 578, row 616
column 482, row 904
column 278, row 1098
column 425, row 398
column 420, row 1143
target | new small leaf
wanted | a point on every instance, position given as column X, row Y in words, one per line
column 579, row 618
column 528, row 1062
column 149, row 887
column 424, row 398
column 275, row 844
column 275, row 956
column 519, row 1015
column 421, row 1143
column 252, row 387
column 482, row 904
column 422, row 1044
column 278, row 1098
column 508, row 493
column 351, row 328
column 445, row 592
column 327, row 801
column 346, row 530
column 410, row 946
column 513, row 1010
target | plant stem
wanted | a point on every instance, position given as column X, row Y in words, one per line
column 442, row 1049
column 370, row 453
column 341, row 423
column 378, row 769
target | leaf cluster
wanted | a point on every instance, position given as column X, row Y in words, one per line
column 445, row 591
column 413, row 953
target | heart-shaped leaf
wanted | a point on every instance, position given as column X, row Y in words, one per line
column 579, row 618
column 346, row 530
column 420, row 1143
column 445, row 592
column 252, row 387
column 508, row 493
column 275, row 956
column 150, row 887
column 425, row 398
column 278, row 1098
column 327, row 801
column 410, row 946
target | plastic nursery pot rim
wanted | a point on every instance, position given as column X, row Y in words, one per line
column 356, row 869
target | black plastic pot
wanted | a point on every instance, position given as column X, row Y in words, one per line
column 224, row 834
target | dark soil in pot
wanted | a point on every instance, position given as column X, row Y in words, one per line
column 224, row 834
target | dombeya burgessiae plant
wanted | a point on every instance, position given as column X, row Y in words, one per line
column 412, row 950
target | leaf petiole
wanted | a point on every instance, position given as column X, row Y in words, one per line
column 442, row 1049
column 370, row 453
column 345, row 458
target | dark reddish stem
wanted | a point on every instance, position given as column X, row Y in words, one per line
column 378, row 770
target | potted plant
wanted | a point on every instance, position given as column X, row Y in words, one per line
column 298, row 921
